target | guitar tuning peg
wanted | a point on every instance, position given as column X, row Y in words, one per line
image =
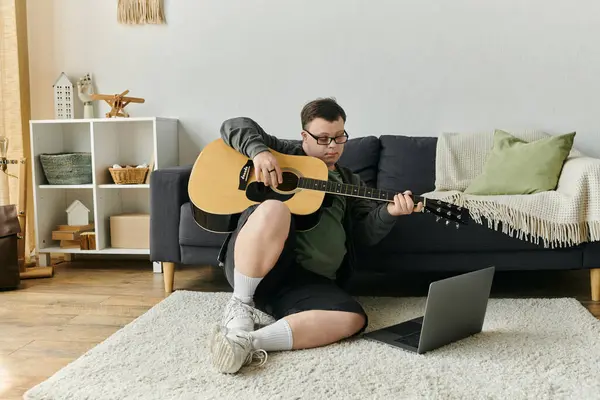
column 438, row 209
column 447, row 222
column 448, row 213
column 457, row 225
column 437, row 219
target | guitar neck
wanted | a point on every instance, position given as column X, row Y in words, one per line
column 344, row 189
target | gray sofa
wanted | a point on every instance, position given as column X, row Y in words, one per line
column 417, row 243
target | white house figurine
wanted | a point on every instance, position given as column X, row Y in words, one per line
column 63, row 98
column 78, row 214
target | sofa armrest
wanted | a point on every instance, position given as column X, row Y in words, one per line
column 168, row 192
column 575, row 170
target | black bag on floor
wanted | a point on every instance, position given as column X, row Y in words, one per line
column 9, row 260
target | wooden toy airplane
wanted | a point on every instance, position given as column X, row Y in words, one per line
column 118, row 102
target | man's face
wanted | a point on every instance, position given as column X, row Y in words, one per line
column 329, row 153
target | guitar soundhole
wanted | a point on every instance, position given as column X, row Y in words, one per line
column 290, row 182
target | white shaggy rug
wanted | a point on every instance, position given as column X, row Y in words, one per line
column 529, row 349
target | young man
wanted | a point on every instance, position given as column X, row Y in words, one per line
column 292, row 275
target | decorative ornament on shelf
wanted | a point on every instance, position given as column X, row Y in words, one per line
column 63, row 98
column 139, row 12
column 85, row 90
column 118, row 102
column 78, row 214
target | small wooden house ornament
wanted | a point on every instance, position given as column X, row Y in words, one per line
column 63, row 98
column 78, row 214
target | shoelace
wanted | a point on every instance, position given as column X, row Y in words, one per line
column 256, row 358
column 240, row 311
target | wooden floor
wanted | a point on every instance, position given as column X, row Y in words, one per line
column 49, row 322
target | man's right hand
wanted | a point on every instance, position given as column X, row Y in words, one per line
column 266, row 169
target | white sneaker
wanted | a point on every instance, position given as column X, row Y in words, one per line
column 239, row 316
column 231, row 350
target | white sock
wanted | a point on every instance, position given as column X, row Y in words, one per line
column 244, row 286
column 274, row 337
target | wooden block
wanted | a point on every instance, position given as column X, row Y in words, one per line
column 76, row 228
column 92, row 241
column 69, row 244
column 71, row 232
column 65, row 235
column 88, row 241
column 83, row 242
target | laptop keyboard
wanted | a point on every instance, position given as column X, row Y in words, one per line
column 411, row 340
column 406, row 328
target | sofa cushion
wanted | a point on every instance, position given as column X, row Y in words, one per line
column 361, row 156
column 191, row 234
column 420, row 233
column 407, row 163
column 515, row 166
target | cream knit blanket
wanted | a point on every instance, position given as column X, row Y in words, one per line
column 567, row 216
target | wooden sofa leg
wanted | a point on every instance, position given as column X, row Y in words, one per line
column 168, row 275
column 595, row 282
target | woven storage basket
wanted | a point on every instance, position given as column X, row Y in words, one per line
column 128, row 176
column 67, row 168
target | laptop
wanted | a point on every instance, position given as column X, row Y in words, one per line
column 455, row 309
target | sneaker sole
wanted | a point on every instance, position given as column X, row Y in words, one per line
column 221, row 351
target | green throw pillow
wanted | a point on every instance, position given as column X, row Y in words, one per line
column 515, row 166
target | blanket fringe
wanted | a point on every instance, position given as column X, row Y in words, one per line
column 526, row 227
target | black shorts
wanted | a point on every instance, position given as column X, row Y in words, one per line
column 288, row 288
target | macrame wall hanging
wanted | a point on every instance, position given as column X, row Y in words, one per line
column 139, row 12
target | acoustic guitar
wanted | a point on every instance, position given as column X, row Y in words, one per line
column 222, row 185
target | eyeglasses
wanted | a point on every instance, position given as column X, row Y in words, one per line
column 326, row 140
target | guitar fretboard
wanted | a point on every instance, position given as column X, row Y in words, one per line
column 345, row 189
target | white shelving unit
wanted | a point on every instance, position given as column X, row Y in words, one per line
column 125, row 141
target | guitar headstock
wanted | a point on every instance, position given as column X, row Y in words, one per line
column 452, row 214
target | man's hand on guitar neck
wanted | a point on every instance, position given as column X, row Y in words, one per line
column 266, row 169
column 403, row 205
